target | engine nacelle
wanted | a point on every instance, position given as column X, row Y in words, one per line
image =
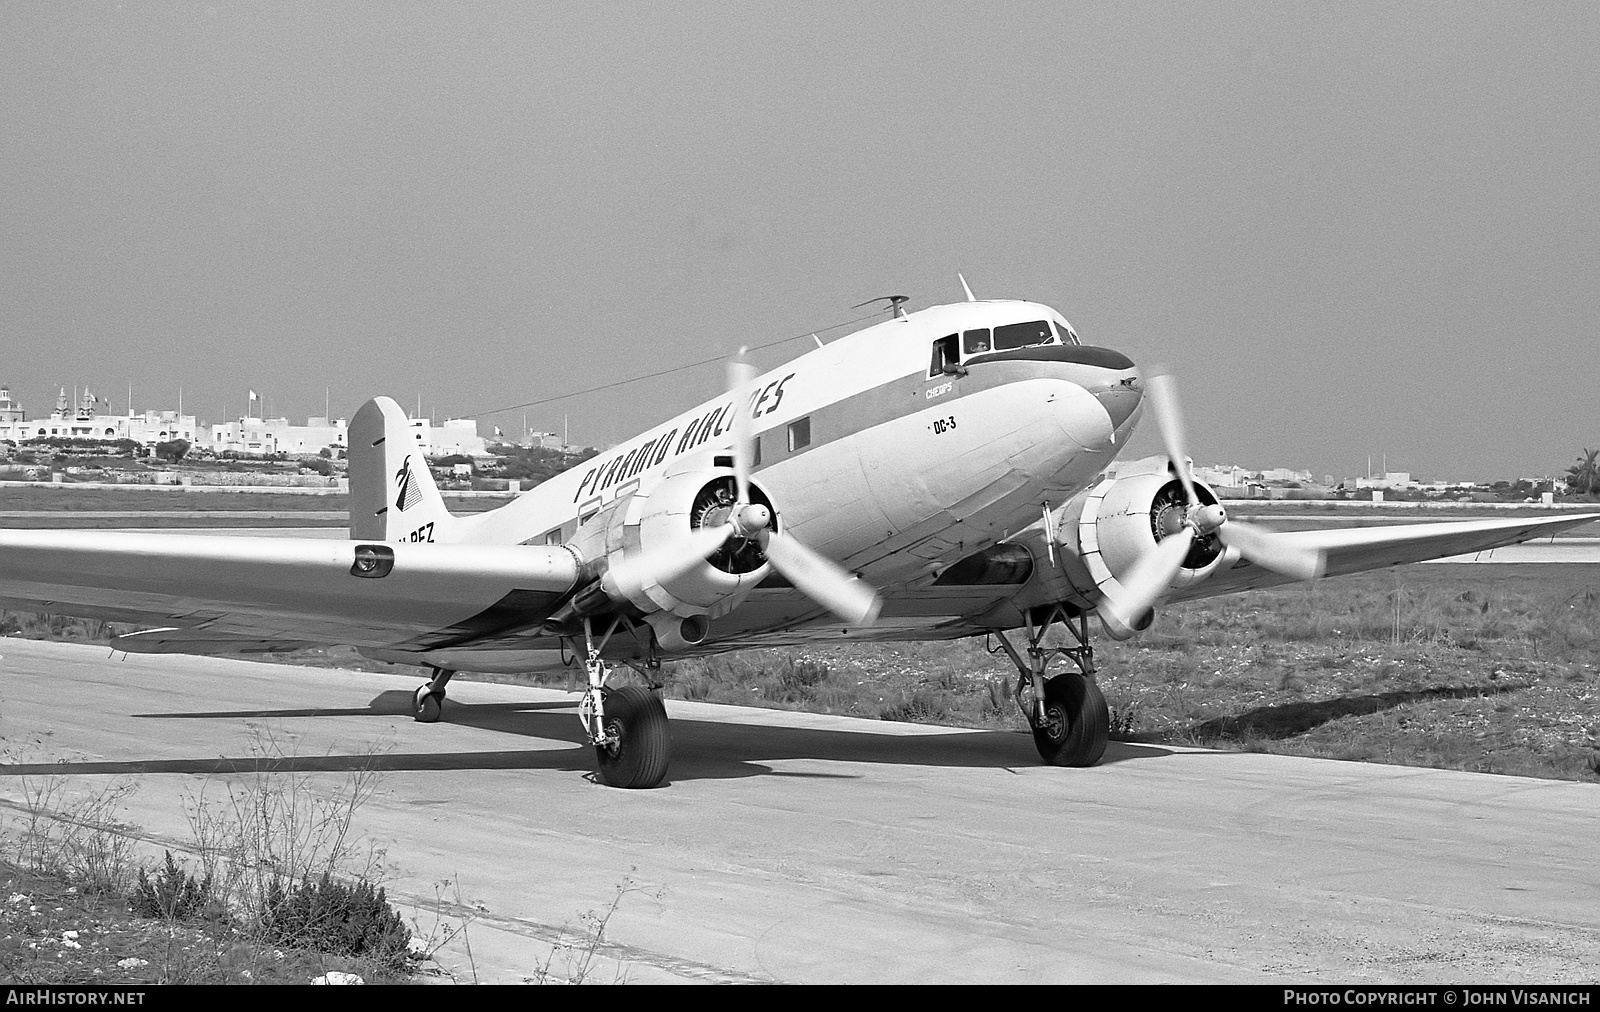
column 1104, row 532
column 650, row 522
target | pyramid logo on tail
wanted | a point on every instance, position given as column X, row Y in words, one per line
column 409, row 492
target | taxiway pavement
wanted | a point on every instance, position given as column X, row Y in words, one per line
column 809, row 848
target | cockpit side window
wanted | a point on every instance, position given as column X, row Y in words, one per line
column 1067, row 335
column 1023, row 335
column 946, row 359
column 975, row 342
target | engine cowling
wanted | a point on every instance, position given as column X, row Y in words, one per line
column 1106, row 530
column 651, row 522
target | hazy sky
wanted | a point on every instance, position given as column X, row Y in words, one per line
column 1349, row 228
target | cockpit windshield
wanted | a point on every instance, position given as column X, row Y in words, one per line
column 1023, row 335
column 1015, row 335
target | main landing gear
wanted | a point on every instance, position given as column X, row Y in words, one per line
column 1066, row 711
column 626, row 724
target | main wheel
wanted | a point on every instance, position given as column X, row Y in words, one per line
column 427, row 705
column 1076, row 722
column 635, row 716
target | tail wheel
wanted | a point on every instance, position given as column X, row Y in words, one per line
column 428, row 704
column 637, row 721
column 1076, row 722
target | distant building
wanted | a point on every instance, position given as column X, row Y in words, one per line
column 1286, row 475
column 267, row 436
column 10, row 411
column 529, row 440
column 86, row 421
column 452, row 437
column 1223, row 476
column 1391, row 479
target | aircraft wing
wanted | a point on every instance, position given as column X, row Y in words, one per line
column 1358, row 549
column 221, row 594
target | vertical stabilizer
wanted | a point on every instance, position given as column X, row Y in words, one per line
column 392, row 494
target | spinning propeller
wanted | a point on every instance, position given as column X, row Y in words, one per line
column 1153, row 572
column 813, row 575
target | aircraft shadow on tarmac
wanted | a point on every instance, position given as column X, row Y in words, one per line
column 702, row 749
column 1290, row 719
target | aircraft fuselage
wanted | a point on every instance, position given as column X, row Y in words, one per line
column 877, row 452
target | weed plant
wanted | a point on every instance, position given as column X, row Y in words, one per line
column 173, row 894
column 76, row 834
column 576, row 959
column 272, row 828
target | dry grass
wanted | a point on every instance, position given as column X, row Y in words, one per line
column 1491, row 668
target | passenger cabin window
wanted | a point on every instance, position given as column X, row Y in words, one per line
column 1023, row 335
column 946, row 359
column 799, row 433
column 975, row 342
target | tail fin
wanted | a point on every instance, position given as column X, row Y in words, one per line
column 392, row 494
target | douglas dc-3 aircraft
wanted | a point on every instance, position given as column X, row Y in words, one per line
column 938, row 475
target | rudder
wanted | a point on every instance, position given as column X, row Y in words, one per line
column 392, row 494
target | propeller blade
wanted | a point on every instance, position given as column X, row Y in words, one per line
column 822, row 581
column 1272, row 550
column 667, row 562
column 1162, row 393
column 740, row 375
column 1149, row 578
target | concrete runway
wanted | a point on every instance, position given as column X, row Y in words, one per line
column 804, row 848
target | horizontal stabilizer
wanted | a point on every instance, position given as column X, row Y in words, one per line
column 198, row 641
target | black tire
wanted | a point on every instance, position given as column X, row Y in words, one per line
column 1077, row 722
column 644, row 746
column 427, row 706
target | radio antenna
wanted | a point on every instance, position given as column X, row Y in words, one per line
column 895, row 303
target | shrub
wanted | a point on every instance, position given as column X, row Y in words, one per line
column 173, row 895
column 329, row 915
column 922, row 706
column 173, row 450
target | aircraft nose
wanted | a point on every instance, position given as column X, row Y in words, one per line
column 1122, row 398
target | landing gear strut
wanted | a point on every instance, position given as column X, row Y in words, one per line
column 626, row 724
column 428, row 704
column 1066, row 711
